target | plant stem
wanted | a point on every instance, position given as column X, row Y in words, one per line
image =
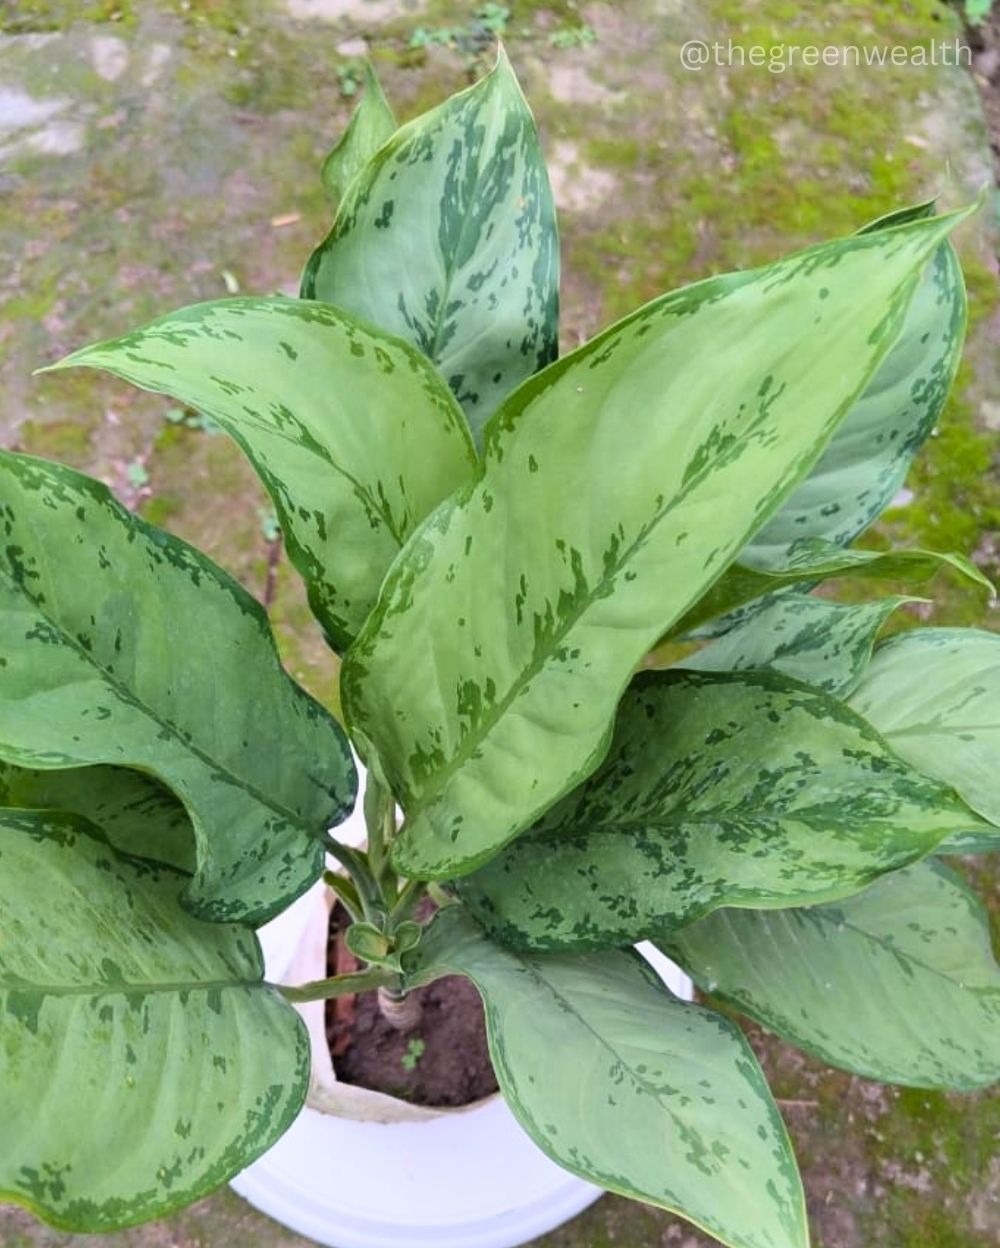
column 380, row 820
column 400, row 1010
column 350, row 859
column 347, row 894
column 407, row 901
column 339, row 986
column 440, row 896
column 356, row 864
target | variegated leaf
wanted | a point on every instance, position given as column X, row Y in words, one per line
column 934, row 694
column 448, row 239
column 822, row 643
column 898, row 983
column 974, row 841
column 865, row 464
column 617, row 486
column 137, row 815
column 812, row 561
column 371, row 124
column 719, row 790
column 623, row 1084
column 353, row 434
column 125, row 646
column 143, row 1061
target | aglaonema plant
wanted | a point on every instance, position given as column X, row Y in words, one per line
column 496, row 541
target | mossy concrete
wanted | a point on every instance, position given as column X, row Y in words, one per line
column 155, row 154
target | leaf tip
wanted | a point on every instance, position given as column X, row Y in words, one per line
column 75, row 359
column 503, row 71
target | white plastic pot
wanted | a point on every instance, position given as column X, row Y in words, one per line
column 466, row 1180
column 360, row 1169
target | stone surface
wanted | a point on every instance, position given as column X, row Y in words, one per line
column 154, row 154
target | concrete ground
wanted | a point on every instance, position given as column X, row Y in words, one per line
column 157, row 153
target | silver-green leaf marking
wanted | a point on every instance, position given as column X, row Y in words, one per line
column 371, row 124
column 898, row 983
column 617, row 486
column 865, row 464
column 822, row 643
column 934, row 693
column 125, row 646
column 813, row 560
column 353, row 434
column 447, row 238
column 719, row 790
column 623, row 1084
column 136, row 814
column 143, row 1061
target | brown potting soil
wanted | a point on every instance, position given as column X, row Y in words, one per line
column 442, row 1061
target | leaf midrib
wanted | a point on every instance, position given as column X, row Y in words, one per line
column 451, row 270
column 364, row 491
column 131, row 699
column 666, row 826
column 128, row 989
column 937, row 730
column 472, row 742
column 658, row 1094
column 895, row 952
column 469, row 744
column 263, row 426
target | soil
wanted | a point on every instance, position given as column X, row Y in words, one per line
column 443, row 1061
column 986, row 63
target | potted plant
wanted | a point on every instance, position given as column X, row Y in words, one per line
column 361, row 1167
column 497, row 541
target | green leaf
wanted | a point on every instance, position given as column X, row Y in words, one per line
column 448, row 239
column 623, row 1084
column 125, row 646
column 365, row 941
column 617, row 486
column 719, row 790
column 371, row 124
column 898, row 983
column 137, row 815
column 143, row 1061
column 372, row 945
column 865, row 464
column 822, row 643
column 975, row 841
column 933, row 693
column 353, row 434
column 901, row 216
column 407, row 936
column 813, row 560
